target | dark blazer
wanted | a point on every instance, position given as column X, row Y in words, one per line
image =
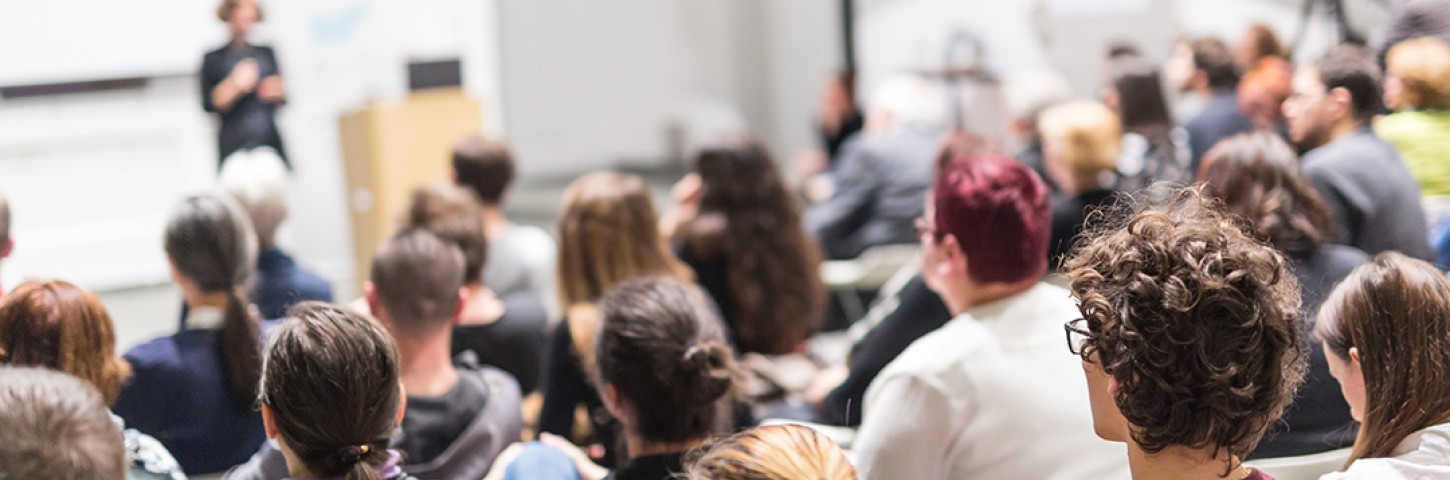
column 881, row 184
column 1219, row 119
column 282, row 284
column 250, row 122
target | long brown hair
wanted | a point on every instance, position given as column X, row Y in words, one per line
column 606, row 237
column 1396, row 312
column 338, row 427
column 776, row 452
column 1257, row 176
column 210, row 241
column 751, row 223
column 60, row 326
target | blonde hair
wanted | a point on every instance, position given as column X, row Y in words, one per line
column 257, row 179
column 777, row 452
column 1088, row 133
column 1423, row 65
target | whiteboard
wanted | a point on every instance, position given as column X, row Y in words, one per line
column 57, row 41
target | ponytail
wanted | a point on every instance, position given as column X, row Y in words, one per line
column 362, row 460
column 241, row 350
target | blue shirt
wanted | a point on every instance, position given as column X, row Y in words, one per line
column 282, row 284
column 178, row 394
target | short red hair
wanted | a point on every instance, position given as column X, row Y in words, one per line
column 999, row 213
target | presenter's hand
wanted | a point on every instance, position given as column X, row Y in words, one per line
column 244, row 75
column 271, row 90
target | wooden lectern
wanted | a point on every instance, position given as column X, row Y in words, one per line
column 391, row 148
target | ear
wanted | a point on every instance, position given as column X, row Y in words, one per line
column 953, row 258
column 459, row 307
column 269, row 422
column 370, row 295
column 613, row 401
column 1343, row 101
column 1200, row 78
column 1354, row 361
column 402, row 404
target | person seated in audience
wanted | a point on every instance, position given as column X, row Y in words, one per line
column 1417, row 89
column 1374, row 201
column 1026, row 95
column 62, row 327
column 459, row 414
column 777, row 452
column 1215, row 78
column 6, row 244
column 1267, row 75
column 1187, row 337
column 338, row 428
column 504, row 331
column 1386, row 329
column 882, row 173
column 257, row 179
column 521, row 257
column 987, row 395
column 1081, row 142
column 194, row 390
column 606, row 237
column 1257, row 176
column 55, row 426
column 737, row 227
column 1414, row 19
column 665, row 371
column 1153, row 150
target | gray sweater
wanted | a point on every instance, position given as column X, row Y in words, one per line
column 1373, row 200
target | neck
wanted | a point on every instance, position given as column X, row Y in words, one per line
column 640, row 447
column 197, row 299
column 426, row 365
column 483, row 306
column 1343, row 128
column 1183, row 463
column 494, row 223
column 970, row 294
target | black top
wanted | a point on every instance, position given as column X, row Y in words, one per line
column 656, row 467
column 1068, row 215
column 281, row 283
column 919, row 312
column 515, row 343
column 250, row 122
column 1318, row 420
column 1031, row 157
column 833, row 140
column 432, row 424
column 565, row 388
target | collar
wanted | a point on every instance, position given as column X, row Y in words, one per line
column 204, row 318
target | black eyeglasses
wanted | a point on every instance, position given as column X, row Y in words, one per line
column 1077, row 335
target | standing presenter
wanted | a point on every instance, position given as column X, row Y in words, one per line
column 242, row 82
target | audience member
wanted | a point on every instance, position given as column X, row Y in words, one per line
column 738, row 228
column 1267, row 76
column 664, row 370
column 62, row 327
column 339, row 428
column 1417, row 89
column 1257, row 176
column 987, row 396
column 1216, row 78
column 54, row 426
column 257, row 179
column 521, row 257
column 459, row 415
column 194, row 390
column 1413, row 19
column 1153, row 149
column 839, row 117
column 1386, row 330
column 1374, row 202
column 779, row 452
column 604, row 240
column 504, row 331
column 1026, row 95
column 1082, row 141
column 6, row 244
column 882, row 174
column 1187, row 338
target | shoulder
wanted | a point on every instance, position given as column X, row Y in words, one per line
column 943, row 352
column 157, row 353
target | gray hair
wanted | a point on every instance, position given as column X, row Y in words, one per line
column 258, row 180
column 912, row 101
column 53, row 425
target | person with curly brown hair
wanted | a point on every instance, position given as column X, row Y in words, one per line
column 1188, row 337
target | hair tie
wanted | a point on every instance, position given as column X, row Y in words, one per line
column 354, row 453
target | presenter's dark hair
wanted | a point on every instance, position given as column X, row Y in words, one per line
column 210, row 242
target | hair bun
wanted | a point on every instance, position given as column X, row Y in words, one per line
column 707, row 372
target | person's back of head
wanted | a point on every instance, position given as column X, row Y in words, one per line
column 1081, row 141
column 60, row 326
column 1386, row 332
column 484, row 166
column 257, row 179
column 1259, row 42
column 906, row 101
column 1418, row 75
column 1189, row 335
column 1257, row 176
column 212, row 248
column 331, row 393
column 452, row 213
column 55, row 426
column 997, row 213
column 663, row 363
column 1138, row 92
column 604, row 237
column 777, row 452
column 1353, row 69
column 1213, row 60
column 415, row 284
